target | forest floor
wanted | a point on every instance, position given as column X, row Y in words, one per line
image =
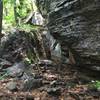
column 47, row 83
column 67, row 84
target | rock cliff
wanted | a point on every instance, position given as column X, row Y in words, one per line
column 76, row 25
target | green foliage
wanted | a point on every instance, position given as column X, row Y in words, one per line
column 16, row 9
column 4, row 75
column 8, row 12
column 27, row 60
column 28, row 27
column 23, row 8
column 95, row 84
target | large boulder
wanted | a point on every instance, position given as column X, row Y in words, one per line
column 19, row 45
column 76, row 25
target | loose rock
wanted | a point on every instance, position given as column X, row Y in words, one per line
column 12, row 86
column 30, row 84
column 54, row 91
column 16, row 70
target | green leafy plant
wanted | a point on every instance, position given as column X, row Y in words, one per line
column 28, row 27
column 4, row 75
column 27, row 60
column 95, row 84
column 15, row 11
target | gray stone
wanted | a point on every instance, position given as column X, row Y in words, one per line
column 17, row 69
column 98, row 89
column 51, row 44
column 54, row 91
column 4, row 63
column 27, row 76
column 30, row 84
column 12, row 86
column 75, row 24
column 53, row 83
column 46, row 62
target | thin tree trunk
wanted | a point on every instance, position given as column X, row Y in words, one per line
column 1, row 15
column 15, row 13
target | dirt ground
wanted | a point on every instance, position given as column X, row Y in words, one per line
column 68, row 84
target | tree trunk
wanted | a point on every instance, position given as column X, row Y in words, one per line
column 15, row 13
column 1, row 15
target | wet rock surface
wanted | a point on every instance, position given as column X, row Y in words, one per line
column 76, row 25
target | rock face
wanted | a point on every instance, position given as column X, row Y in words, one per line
column 76, row 25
